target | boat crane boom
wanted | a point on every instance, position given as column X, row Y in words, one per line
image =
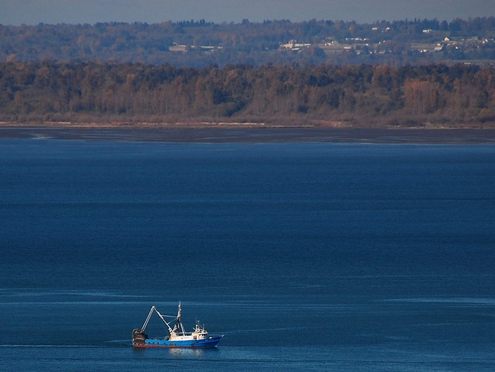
column 143, row 328
column 152, row 310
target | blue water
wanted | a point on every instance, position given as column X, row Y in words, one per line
column 338, row 257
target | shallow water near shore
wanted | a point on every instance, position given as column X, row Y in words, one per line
column 307, row 256
column 245, row 134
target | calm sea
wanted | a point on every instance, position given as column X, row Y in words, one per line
column 338, row 257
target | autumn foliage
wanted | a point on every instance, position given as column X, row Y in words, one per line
column 366, row 95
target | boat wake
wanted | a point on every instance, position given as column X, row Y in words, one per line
column 36, row 346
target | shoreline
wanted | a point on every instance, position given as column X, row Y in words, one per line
column 244, row 133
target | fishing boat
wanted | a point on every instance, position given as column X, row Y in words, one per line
column 177, row 337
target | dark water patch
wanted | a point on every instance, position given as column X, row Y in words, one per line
column 306, row 256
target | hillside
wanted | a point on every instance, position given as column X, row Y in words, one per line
column 364, row 95
column 199, row 44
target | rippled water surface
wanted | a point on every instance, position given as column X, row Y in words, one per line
column 305, row 256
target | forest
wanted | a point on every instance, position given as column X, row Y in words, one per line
column 436, row 95
column 200, row 43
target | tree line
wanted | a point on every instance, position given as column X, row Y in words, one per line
column 361, row 94
column 245, row 42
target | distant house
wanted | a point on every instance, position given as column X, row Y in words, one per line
column 424, row 47
column 336, row 47
column 182, row 48
column 178, row 48
column 439, row 47
column 294, row 46
column 210, row 47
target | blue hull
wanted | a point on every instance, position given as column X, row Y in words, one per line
column 156, row 343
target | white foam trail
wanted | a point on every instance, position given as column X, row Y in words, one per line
column 46, row 346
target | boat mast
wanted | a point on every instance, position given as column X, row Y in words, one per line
column 179, row 318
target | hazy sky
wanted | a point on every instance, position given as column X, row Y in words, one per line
column 91, row 11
